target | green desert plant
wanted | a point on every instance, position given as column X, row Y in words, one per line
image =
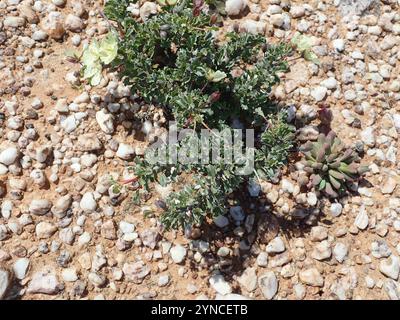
column 330, row 165
column 203, row 79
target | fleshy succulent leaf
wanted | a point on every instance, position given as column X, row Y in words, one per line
column 329, row 190
column 336, row 184
column 330, row 165
column 336, row 174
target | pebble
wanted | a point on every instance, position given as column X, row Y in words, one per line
column 338, row 45
column 88, row 203
column 163, row 280
column 276, row 245
column 45, row 230
column 361, row 221
column 40, row 206
column 321, row 251
column 262, row 259
column 14, row 22
column 234, row 7
column 390, row 267
column 248, row 279
column 380, row 249
column 69, row 275
column 44, row 282
column 147, row 9
column 237, row 213
column 311, row 277
column 73, row 23
column 319, row 93
column 9, row 155
column 318, row 233
column 340, row 252
column 5, row 282
column 105, row 121
column 221, row 221
column 125, row 151
column 268, row 284
column 53, row 25
column 219, row 284
column 178, row 253
column 20, row 268
column 336, row 209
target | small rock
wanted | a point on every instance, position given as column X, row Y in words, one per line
column 45, row 282
column 361, row 221
column 340, row 252
column 39, row 206
column 88, row 203
column 318, row 233
column 311, row 277
column 390, row 267
column 319, row 93
column 392, row 289
column 61, row 206
column 389, row 185
column 5, row 282
column 163, row 280
column 135, row 272
column 45, row 230
column 275, row 246
column 234, row 7
column 69, row 275
column 125, row 151
column 178, row 253
column 380, row 249
column 338, row 45
column 268, row 284
column 8, row 156
column 220, row 285
column 368, row 136
column 73, row 23
column 262, row 259
column 336, row 209
column 14, row 22
column 147, row 9
column 108, row 230
column 89, row 142
column 149, row 238
column 237, row 213
column 322, row 251
column 105, row 121
column 248, row 280
column 20, row 268
column 221, row 221
column 53, row 25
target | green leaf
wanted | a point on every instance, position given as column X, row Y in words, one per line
column 311, row 56
column 96, row 79
column 108, row 49
column 215, row 76
column 302, row 42
column 91, row 53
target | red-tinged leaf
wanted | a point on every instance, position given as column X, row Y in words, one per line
column 362, row 169
column 306, row 147
column 334, row 182
column 214, row 97
column 336, row 175
column 316, row 179
column 330, row 137
column 325, row 115
column 329, row 190
column 197, row 5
